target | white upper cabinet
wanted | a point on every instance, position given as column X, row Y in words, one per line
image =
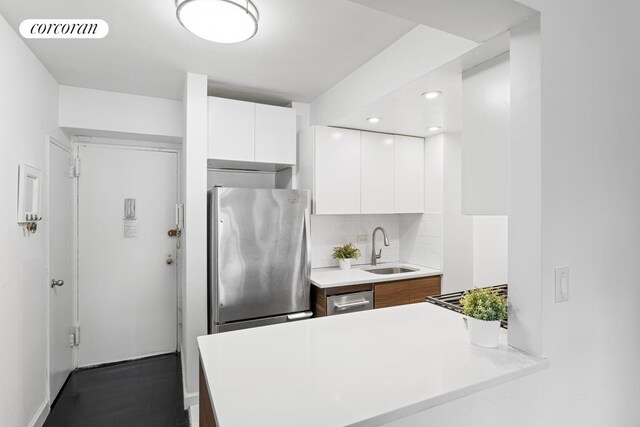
column 337, row 171
column 409, row 174
column 231, row 129
column 377, row 173
column 275, row 132
column 354, row 172
column 246, row 132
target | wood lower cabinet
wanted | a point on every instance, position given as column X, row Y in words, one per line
column 207, row 419
column 420, row 289
column 386, row 294
column 389, row 294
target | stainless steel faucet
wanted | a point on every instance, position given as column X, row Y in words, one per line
column 374, row 256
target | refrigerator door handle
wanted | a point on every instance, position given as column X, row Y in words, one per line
column 307, row 256
column 300, row 316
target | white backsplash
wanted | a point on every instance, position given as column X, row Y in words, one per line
column 421, row 239
column 328, row 231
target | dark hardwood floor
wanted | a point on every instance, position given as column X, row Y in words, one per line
column 146, row 392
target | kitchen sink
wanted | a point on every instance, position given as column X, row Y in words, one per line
column 391, row 270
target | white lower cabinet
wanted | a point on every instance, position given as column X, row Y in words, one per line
column 377, row 173
column 356, row 172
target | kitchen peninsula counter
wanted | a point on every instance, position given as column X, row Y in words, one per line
column 366, row 368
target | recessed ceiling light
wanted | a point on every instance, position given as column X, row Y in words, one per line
column 373, row 119
column 221, row 21
column 434, row 128
column 433, row 94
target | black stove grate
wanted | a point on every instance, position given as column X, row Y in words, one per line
column 452, row 301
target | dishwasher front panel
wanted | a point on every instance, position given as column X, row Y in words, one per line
column 349, row 303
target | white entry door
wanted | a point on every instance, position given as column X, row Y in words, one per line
column 61, row 298
column 127, row 284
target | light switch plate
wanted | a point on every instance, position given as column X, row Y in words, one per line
column 562, row 284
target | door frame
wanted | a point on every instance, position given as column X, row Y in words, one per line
column 121, row 144
column 65, row 145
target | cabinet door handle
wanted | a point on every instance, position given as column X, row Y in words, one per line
column 350, row 304
column 55, row 283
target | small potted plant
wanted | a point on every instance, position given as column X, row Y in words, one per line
column 344, row 254
column 485, row 309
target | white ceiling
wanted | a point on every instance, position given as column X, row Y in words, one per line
column 303, row 47
column 477, row 20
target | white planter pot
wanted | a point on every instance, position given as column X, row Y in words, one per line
column 483, row 333
column 344, row 264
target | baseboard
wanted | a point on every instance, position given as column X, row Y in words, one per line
column 190, row 399
column 40, row 416
column 194, row 416
column 120, row 361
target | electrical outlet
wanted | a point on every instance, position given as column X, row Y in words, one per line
column 362, row 239
column 562, row 284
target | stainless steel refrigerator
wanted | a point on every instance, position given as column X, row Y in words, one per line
column 259, row 257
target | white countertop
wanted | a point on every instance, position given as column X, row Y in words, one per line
column 332, row 277
column 364, row 368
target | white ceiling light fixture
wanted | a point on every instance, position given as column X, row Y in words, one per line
column 374, row 119
column 432, row 94
column 434, row 128
column 220, row 21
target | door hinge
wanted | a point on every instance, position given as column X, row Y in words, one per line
column 74, row 171
column 76, row 335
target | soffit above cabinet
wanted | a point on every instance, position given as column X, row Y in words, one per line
column 406, row 112
column 473, row 20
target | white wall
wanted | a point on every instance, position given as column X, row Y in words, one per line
column 421, row 239
column 486, row 138
column 328, row 231
column 591, row 209
column 457, row 229
column 118, row 115
column 29, row 111
column 584, row 216
column 525, row 209
column 474, row 247
column 490, row 255
column 240, row 179
column 193, row 274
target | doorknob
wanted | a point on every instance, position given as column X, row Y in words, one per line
column 169, row 260
column 55, row 283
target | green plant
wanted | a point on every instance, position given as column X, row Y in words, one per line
column 348, row 251
column 484, row 304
